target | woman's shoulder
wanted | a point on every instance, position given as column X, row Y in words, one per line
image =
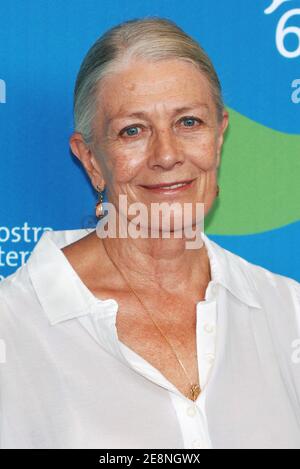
column 272, row 288
column 266, row 276
column 277, row 289
column 49, row 285
column 227, row 259
column 273, row 280
column 16, row 293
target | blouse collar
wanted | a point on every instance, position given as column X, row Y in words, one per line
column 64, row 296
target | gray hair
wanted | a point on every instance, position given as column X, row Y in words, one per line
column 151, row 38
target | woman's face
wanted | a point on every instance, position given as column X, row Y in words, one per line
column 157, row 124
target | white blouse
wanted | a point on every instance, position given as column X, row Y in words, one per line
column 66, row 381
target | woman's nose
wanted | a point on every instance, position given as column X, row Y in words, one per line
column 164, row 151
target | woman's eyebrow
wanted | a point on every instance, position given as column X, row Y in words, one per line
column 143, row 114
column 189, row 107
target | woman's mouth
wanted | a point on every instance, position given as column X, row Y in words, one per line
column 169, row 187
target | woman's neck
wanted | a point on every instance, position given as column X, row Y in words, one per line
column 162, row 262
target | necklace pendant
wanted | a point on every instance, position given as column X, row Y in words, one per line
column 194, row 391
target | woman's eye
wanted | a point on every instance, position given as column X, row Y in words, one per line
column 130, row 131
column 190, row 121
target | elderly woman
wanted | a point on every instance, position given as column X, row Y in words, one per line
column 138, row 341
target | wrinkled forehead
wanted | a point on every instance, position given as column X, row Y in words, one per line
column 162, row 85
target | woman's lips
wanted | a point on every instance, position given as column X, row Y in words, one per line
column 170, row 188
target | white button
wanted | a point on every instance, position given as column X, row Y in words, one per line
column 210, row 357
column 197, row 444
column 191, row 410
column 209, row 328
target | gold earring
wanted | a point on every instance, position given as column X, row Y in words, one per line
column 218, row 190
column 99, row 205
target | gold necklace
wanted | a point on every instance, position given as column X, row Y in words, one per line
column 194, row 388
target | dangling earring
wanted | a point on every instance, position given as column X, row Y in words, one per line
column 99, row 206
column 218, row 190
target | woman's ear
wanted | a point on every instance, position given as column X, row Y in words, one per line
column 221, row 131
column 87, row 158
